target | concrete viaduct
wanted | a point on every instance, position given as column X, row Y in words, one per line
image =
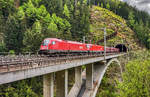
column 86, row 83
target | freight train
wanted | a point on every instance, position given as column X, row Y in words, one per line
column 54, row 45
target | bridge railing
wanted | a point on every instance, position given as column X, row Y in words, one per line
column 19, row 62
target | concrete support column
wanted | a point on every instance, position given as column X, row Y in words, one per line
column 89, row 76
column 66, row 83
column 78, row 76
column 62, row 83
column 78, row 82
column 48, row 85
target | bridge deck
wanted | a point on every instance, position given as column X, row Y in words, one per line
column 11, row 76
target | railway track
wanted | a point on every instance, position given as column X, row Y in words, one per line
column 11, row 63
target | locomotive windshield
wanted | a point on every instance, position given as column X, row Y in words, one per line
column 45, row 42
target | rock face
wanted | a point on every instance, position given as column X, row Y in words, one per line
column 117, row 29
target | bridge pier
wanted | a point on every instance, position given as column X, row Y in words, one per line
column 89, row 76
column 78, row 82
column 48, row 85
column 62, row 83
column 78, row 76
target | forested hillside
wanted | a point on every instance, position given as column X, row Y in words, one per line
column 138, row 21
column 24, row 24
column 101, row 17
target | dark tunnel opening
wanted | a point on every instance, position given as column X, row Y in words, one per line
column 121, row 47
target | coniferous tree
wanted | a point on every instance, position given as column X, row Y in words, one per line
column 13, row 34
column 107, row 6
column 66, row 11
column 131, row 20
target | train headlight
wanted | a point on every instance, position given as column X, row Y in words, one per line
column 53, row 42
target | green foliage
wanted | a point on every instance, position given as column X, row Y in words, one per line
column 142, row 32
column 100, row 18
column 10, row 26
column 54, row 6
column 2, row 47
column 66, row 11
column 80, row 21
column 62, row 24
column 25, row 88
column 33, row 37
column 102, row 5
column 10, row 92
column 26, row 26
column 108, row 88
column 11, row 52
column 136, row 79
column 7, row 7
column 13, row 34
column 40, row 24
column 133, row 17
column 108, row 6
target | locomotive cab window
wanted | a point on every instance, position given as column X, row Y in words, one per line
column 53, row 42
column 45, row 42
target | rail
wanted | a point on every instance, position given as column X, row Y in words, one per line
column 11, row 63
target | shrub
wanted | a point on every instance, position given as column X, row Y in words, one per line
column 136, row 79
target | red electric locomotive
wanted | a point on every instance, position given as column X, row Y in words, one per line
column 54, row 45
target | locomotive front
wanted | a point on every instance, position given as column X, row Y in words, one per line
column 49, row 46
column 45, row 46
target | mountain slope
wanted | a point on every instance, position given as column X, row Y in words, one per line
column 101, row 18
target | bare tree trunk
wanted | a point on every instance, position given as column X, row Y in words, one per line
column 17, row 3
column 76, row 1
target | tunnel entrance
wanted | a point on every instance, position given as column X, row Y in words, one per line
column 121, row 47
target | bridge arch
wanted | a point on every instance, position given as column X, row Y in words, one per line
column 114, row 60
column 103, row 71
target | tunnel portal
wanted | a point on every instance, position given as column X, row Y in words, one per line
column 121, row 47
